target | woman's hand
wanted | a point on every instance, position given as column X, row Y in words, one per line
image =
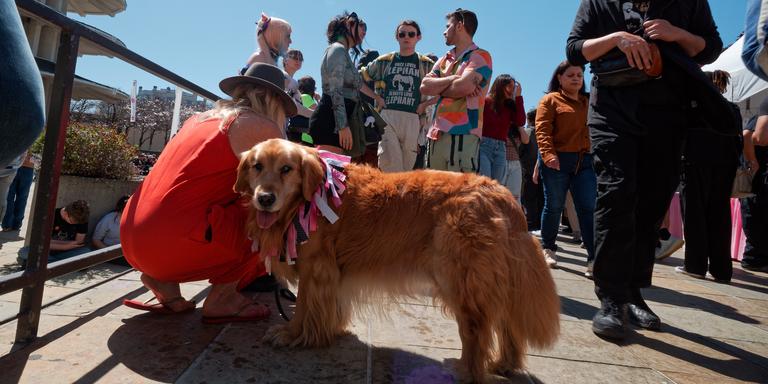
column 553, row 163
column 518, row 90
column 636, row 48
column 345, row 138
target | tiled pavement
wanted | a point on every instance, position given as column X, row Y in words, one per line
column 712, row 333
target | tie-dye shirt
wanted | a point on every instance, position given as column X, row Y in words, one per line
column 463, row 115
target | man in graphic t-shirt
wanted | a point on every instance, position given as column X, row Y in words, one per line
column 397, row 78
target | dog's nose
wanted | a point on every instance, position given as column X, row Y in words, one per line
column 266, row 199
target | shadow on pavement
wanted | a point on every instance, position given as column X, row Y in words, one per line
column 12, row 365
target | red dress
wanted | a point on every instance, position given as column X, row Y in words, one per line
column 185, row 222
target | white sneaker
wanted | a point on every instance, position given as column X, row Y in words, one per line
column 668, row 247
column 590, row 268
column 550, row 257
column 536, row 233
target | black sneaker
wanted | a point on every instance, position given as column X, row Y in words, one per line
column 610, row 320
column 642, row 315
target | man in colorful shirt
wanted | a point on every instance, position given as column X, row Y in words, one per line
column 460, row 79
column 397, row 78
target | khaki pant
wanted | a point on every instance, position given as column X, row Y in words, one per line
column 456, row 153
column 399, row 144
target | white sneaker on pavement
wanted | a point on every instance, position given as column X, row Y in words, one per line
column 550, row 257
column 590, row 268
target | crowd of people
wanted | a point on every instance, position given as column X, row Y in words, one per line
column 611, row 158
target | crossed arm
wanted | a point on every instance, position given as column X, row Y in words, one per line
column 454, row 86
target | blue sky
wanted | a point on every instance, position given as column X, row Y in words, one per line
column 208, row 41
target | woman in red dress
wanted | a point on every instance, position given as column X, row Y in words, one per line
column 185, row 222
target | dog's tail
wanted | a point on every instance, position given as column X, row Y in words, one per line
column 533, row 309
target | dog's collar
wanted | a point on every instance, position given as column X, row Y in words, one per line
column 304, row 221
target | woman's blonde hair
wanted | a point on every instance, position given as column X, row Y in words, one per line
column 249, row 97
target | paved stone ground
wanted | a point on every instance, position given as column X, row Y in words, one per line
column 712, row 333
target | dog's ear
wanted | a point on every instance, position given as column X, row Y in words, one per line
column 311, row 173
column 242, row 185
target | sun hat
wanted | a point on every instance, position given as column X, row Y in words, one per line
column 265, row 75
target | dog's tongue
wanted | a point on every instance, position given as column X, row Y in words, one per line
column 265, row 219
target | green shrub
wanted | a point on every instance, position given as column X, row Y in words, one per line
column 95, row 151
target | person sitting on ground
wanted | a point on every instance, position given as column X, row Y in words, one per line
column 107, row 232
column 186, row 223
column 70, row 227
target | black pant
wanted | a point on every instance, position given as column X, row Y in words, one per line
column 532, row 198
column 636, row 178
column 706, row 202
column 754, row 219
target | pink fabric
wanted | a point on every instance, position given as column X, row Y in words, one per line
column 676, row 217
column 737, row 234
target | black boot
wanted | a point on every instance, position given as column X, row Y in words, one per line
column 610, row 320
column 640, row 314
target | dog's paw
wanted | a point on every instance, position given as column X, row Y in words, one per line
column 504, row 371
column 278, row 336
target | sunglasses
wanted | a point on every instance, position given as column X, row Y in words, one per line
column 410, row 34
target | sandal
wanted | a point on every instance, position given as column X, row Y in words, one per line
column 160, row 308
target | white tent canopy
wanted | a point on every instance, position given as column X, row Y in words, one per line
column 746, row 89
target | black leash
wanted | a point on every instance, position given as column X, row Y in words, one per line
column 286, row 294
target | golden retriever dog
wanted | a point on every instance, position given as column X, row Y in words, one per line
column 463, row 234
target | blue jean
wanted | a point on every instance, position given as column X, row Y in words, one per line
column 17, row 198
column 493, row 158
column 22, row 102
column 579, row 177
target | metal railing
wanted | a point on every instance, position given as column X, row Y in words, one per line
column 32, row 280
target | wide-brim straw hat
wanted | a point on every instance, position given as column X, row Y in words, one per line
column 265, row 75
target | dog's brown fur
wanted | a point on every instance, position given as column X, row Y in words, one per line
column 463, row 234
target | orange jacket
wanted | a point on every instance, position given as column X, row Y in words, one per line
column 561, row 125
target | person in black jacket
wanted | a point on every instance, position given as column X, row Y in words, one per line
column 637, row 129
